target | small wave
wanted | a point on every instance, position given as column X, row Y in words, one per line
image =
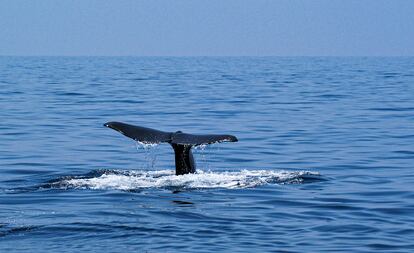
column 137, row 180
column 5, row 230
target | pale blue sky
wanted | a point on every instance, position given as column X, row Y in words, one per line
column 207, row 27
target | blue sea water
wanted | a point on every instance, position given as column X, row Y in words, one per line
column 324, row 161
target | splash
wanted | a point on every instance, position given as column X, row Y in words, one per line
column 136, row 180
column 201, row 147
column 150, row 155
column 145, row 145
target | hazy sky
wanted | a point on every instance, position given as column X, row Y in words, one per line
column 207, row 27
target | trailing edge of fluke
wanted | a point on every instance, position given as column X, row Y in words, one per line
column 181, row 142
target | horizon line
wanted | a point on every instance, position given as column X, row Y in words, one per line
column 212, row 56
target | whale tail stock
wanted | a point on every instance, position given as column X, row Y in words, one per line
column 180, row 142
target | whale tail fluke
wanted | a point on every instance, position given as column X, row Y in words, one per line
column 181, row 142
column 141, row 134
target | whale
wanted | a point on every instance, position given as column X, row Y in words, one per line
column 179, row 141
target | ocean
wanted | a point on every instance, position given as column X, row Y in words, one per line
column 324, row 161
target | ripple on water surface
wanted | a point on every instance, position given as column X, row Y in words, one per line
column 350, row 119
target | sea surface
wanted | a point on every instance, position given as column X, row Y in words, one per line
column 324, row 162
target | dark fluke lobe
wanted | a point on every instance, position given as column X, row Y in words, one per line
column 181, row 142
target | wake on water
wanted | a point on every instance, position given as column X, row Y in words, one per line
column 131, row 180
column 138, row 180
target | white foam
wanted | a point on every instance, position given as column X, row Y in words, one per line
column 134, row 180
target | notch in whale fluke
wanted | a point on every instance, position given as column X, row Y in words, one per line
column 181, row 142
